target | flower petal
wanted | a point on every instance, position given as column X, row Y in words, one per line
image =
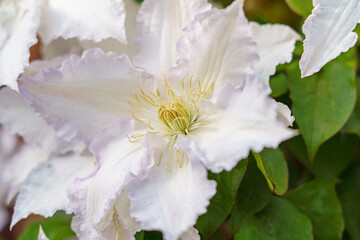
column 13, row 111
column 191, row 234
column 19, row 166
column 120, row 162
column 172, row 197
column 20, row 25
column 160, row 24
column 122, row 207
column 275, row 44
column 44, row 190
column 245, row 119
column 53, row 56
column 93, row 20
column 328, row 32
column 216, row 48
column 85, row 95
column 42, row 235
column 284, row 114
column 113, row 226
column 113, row 45
column 8, row 143
column 120, row 224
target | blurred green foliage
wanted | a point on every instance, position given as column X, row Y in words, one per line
column 317, row 199
column 280, row 220
column 301, row 7
column 55, row 228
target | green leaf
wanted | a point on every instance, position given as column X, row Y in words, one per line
column 317, row 200
column 140, row 235
column 301, row 7
column 332, row 158
column 217, row 235
column 224, row 199
column 152, row 235
column 280, row 220
column 252, row 196
column 323, row 102
column 57, row 227
column 278, row 84
column 272, row 164
column 349, row 195
column 353, row 124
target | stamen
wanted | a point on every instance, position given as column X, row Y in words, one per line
column 174, row 115
column 180, row 114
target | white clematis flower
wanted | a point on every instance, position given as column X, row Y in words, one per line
column 328, row 32
column 46, row 176
column 36, row 168
column 20, row 119
column 21, row 20
column 8, row 145
column 16, row 162
column 155, row 130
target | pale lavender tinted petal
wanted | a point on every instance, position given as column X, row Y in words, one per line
column 85, row 95
column 18, row 118
column 38, row 65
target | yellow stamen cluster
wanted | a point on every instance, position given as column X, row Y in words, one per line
column 175, row 116
column 178, row 111
column 180, row 114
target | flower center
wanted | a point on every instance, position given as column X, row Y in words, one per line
column 176, row 116
column 178, row 111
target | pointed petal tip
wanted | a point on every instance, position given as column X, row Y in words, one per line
column 307, row 73
column 42, row 235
